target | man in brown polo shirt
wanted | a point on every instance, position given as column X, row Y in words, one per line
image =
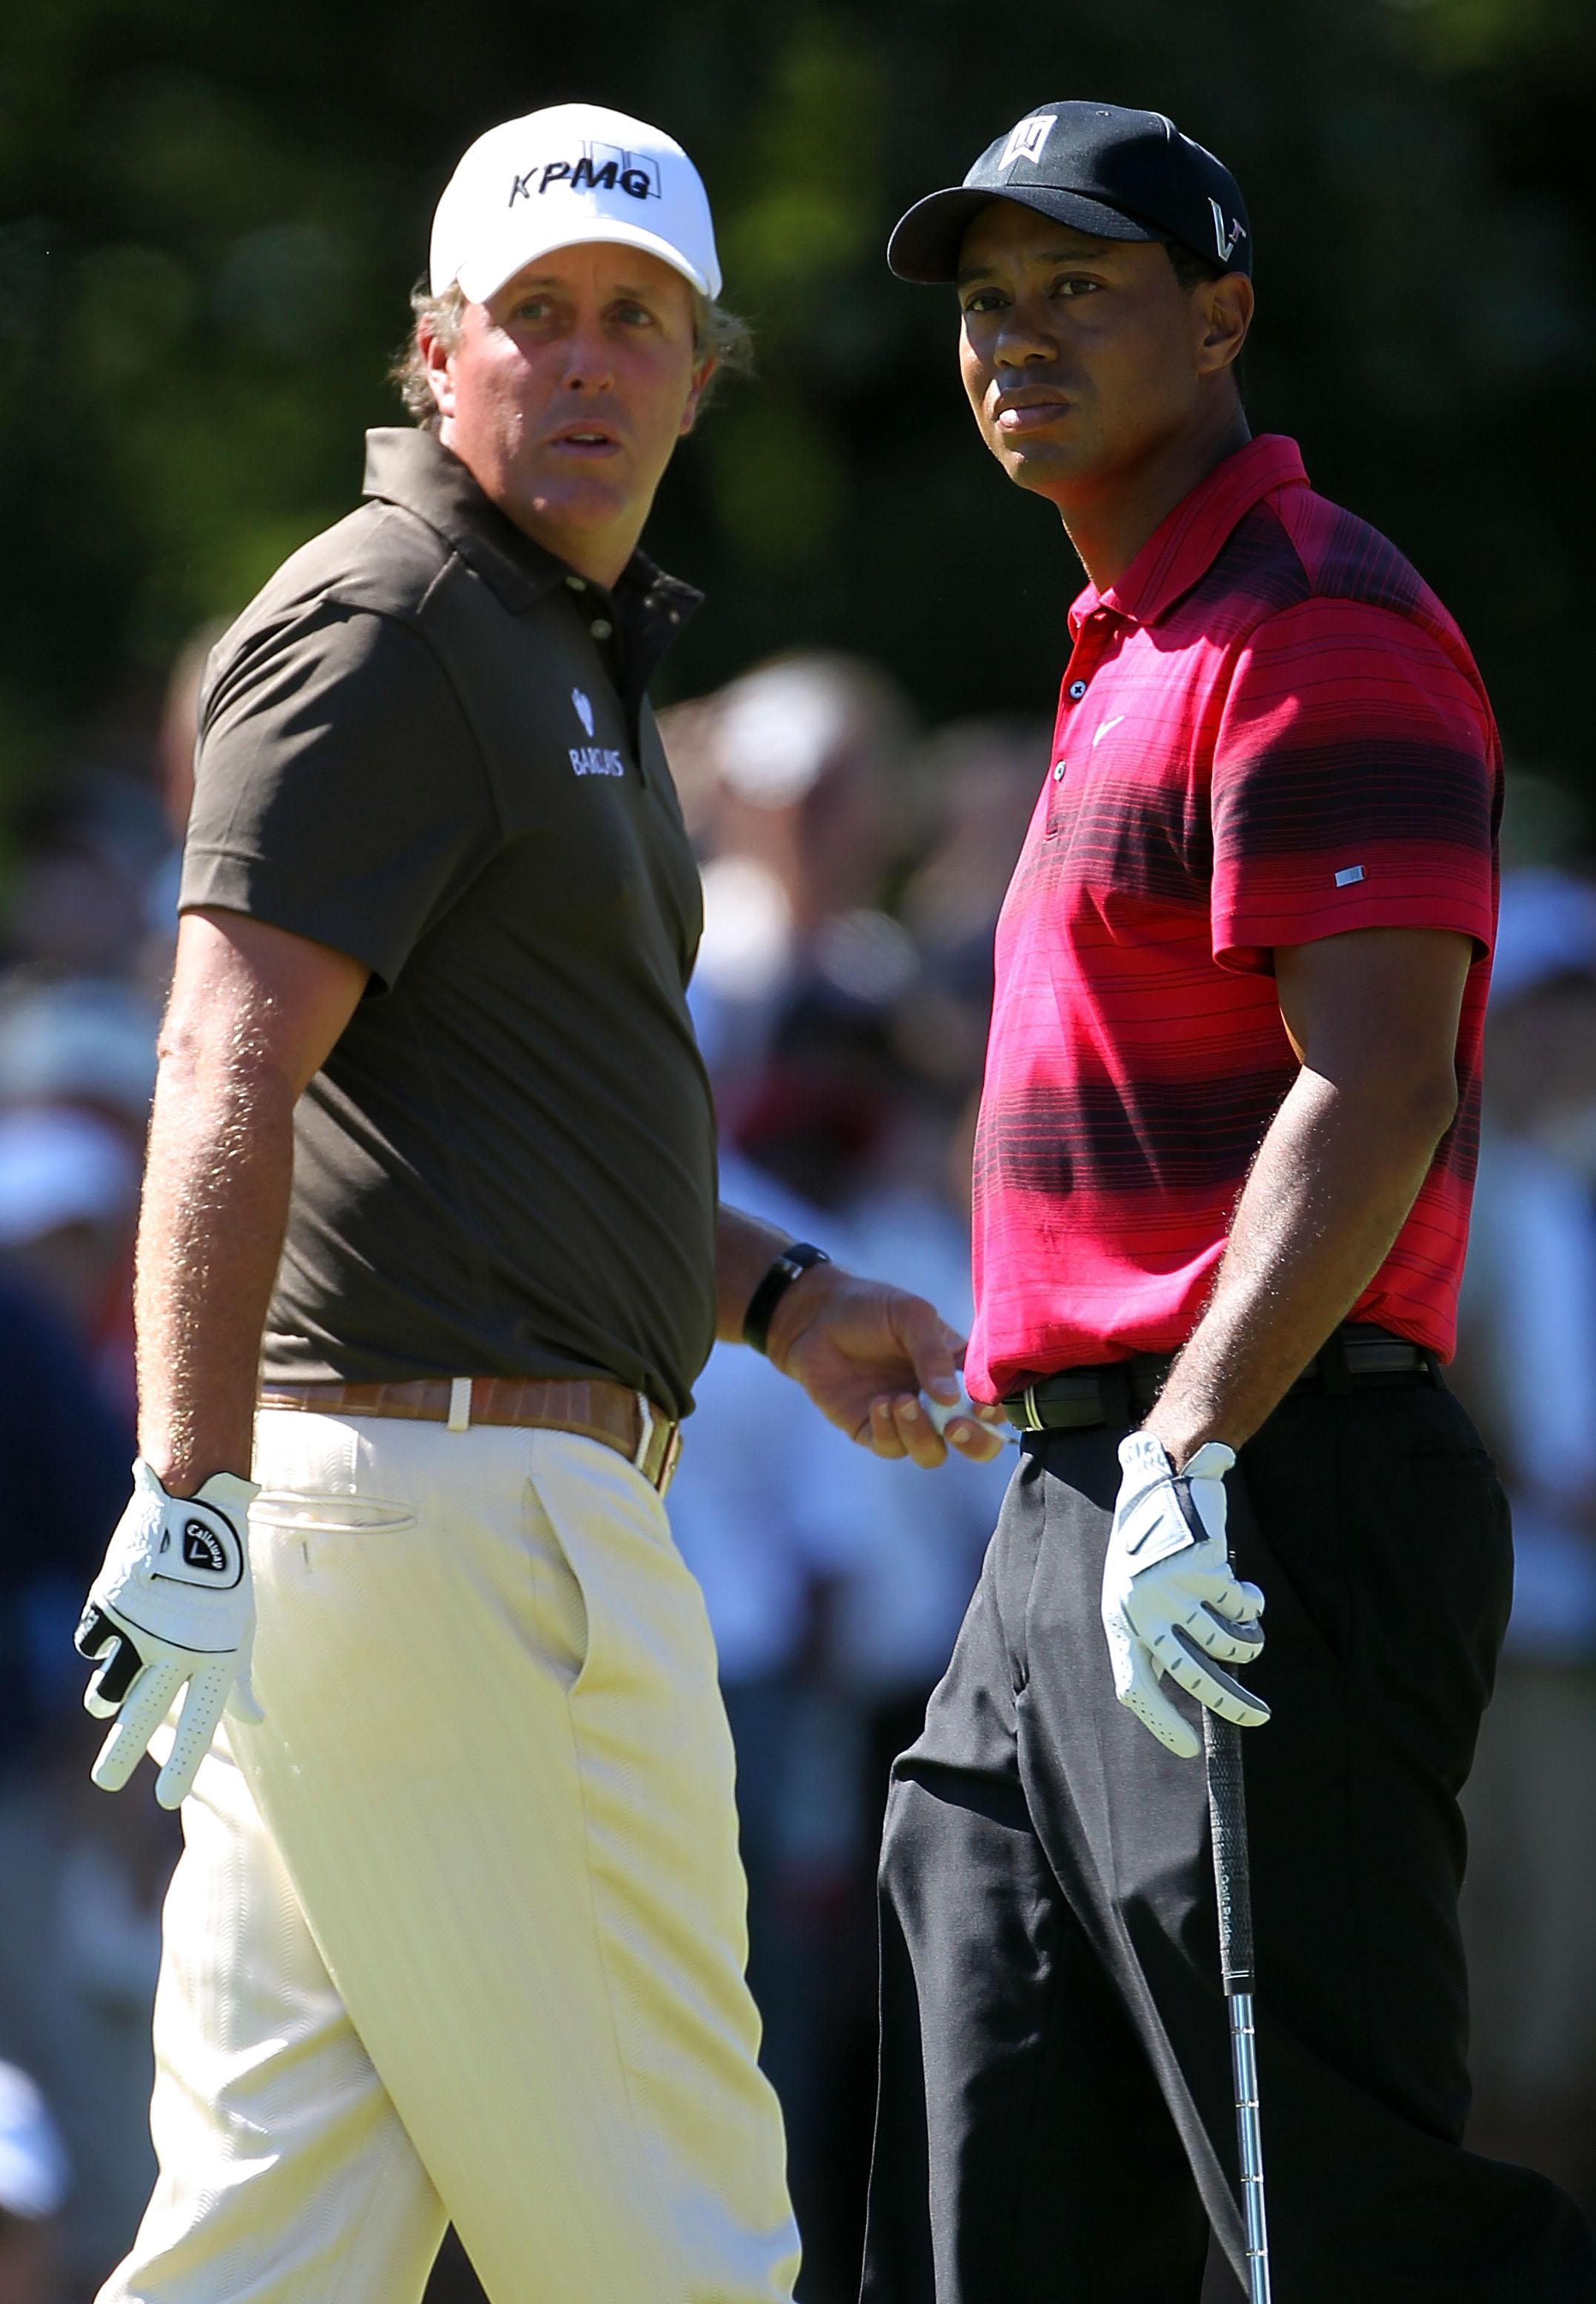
column 459, row 1933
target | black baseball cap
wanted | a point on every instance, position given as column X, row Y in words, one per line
column 1115, row 174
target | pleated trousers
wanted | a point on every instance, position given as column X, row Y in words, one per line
column 459, row 1932
column 1057, row 2120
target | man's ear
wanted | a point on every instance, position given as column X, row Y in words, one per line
column 701, row 375
column 440, row 368
column 1222, row 314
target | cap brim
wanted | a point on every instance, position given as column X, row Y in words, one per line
column 925, row 242
column 482, row 276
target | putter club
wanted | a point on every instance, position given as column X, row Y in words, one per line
column 1227, row 1815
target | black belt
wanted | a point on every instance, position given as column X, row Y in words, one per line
column 1078, row 1398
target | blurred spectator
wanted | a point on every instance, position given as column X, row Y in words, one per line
column 846, row 1033
column 76, row 1071
column 835, row 1582
column 66, row 1454
column 790, row 776
column 805, row 749
column 86, row 1042
column 82, row 1879
column 1526, row 1368
column 69, row 1196
column 77, row 1938
column 743, row 1507
column 88, row 851
column 985, row 776
column 33, row 2179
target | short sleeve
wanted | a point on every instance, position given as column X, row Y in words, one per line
column 1354, row 785
column 339, row 791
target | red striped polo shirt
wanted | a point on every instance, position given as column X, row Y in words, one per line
column 1271, row 731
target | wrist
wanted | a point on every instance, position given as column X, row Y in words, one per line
column 801, row 1305
column 181, row 1475
column 1181, row 1435
column 776, row 1283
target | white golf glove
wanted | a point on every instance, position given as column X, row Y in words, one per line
column 173, row 1603
column 1170, row 1602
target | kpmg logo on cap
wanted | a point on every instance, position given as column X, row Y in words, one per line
column 1025, row 141
column 602, row 168
column 1225, row 246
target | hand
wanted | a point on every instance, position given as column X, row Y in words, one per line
column 173, row 1603
column 864, row 1353
column 1170, row 1602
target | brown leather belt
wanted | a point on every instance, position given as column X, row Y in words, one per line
column 593, row 1407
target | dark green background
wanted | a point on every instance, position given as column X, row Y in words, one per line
column 212, row 213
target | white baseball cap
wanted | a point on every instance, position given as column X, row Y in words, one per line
column 573, row 173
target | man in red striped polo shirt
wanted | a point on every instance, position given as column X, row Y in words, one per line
column 1223, row 1171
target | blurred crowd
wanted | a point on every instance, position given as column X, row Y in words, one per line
column 853, row 870
column 89, row 933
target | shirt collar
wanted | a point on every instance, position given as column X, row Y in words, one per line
column 413, row 469
column 1184, row 546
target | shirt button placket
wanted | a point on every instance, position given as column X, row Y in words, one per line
column 1076, row 688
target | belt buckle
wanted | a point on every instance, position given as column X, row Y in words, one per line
column 660, row 1477
column 1029, row 1421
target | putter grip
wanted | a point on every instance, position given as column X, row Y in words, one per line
column 1228, row 1818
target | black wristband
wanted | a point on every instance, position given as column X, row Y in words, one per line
column 793, row 1261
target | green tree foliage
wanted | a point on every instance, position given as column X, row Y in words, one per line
column 211, row 216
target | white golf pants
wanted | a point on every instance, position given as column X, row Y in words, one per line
column 459, row 1933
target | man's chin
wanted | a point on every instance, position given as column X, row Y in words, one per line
column 1042, row 466
column 563, row 513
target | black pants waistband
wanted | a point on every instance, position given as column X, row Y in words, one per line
column 1119, row 1392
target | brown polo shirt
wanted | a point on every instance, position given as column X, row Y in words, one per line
column 426, row 743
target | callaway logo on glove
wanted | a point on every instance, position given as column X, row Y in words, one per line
column 172, row 1605
column 1170, row 1601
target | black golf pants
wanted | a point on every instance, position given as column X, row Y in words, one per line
column 1056, row 2118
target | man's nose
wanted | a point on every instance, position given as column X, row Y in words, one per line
column 1019, row 345
column 588, row 366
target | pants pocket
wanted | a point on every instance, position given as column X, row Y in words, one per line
column 294, row 1509
column 559, row 1605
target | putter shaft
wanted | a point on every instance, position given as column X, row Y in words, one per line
column 1227, row 1815
column 1244, row 2065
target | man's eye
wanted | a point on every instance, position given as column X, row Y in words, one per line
column 1075, row 286
column 985, row 300
column 531, row 307
column 635, row 316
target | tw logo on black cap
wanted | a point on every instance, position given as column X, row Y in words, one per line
column 1106, row 170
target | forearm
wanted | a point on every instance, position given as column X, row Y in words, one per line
column 1330, row 1188
column 216, row 1205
